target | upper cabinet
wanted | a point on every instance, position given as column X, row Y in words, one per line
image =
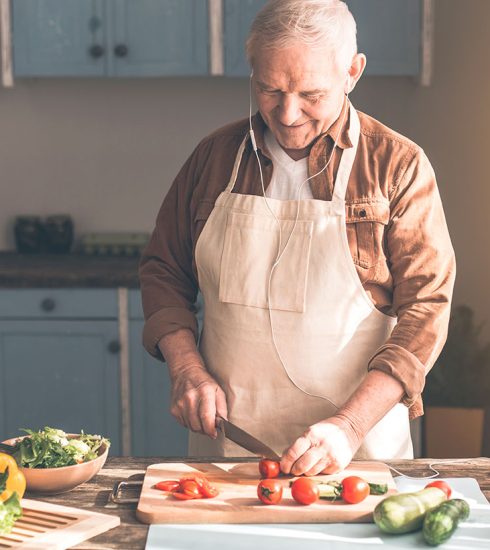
column 58, row 38
column 157, row 37
column 388, row 32
column 138, row 38
column 237, row 18
column 110, row 37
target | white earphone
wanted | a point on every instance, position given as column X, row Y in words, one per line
column 281, row 249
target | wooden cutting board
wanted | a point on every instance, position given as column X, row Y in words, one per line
column 238, row 501
column 46, row 526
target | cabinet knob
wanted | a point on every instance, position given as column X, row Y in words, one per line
column 48, row 304
column 96, row 51
column 114, row 347
column 121, row 50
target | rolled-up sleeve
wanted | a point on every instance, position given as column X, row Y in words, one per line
column 423, row 267
column 168, row 282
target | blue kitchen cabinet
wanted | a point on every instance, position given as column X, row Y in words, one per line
column 110, row 37
column 238, row 16
column 155, row 432
column 58, row 38
column 158, row 37
column 388, row 32
column 59, row 362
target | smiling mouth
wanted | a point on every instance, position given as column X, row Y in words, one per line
column 292, row 126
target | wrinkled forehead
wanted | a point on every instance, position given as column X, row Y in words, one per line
column 295, row 68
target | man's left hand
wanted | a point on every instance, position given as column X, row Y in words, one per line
column 326, row 447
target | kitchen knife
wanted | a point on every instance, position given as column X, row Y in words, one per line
column 246, row 440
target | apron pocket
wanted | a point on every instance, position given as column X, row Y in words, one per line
column 249, row 251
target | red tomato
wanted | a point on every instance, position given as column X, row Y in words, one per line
column 269, row 491
column 205, row 488
column 269, row 468
column 209, row 491
column 169, row 485
column 304, row 490
column 354, row 489
column 190, row 487
column 442, row 485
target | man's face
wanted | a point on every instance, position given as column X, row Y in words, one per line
column 299, row 93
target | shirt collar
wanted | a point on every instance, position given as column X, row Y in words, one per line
column 259, row 126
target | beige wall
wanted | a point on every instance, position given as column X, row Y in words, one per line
column 106, row 151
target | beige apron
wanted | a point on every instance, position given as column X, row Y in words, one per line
column 325, row 326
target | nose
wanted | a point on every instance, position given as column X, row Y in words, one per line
column 289, row 109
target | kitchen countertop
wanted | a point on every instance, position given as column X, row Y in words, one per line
column 67, row 270
column 132, row 535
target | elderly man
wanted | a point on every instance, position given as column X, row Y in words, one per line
column 317, row 238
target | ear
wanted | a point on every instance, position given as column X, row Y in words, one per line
column 355, row 71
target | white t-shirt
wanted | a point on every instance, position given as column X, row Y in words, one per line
column 287, row 174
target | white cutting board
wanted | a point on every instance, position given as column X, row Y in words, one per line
column 472, row 534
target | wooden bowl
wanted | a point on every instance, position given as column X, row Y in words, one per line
column 60, row 480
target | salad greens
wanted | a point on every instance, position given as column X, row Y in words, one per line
column 10, row 510
column 53, row 448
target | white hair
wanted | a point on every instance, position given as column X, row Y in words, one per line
column 322, row 24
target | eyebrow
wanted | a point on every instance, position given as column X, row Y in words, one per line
column 309, row 92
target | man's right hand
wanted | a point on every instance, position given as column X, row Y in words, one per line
column 196, row 396
column 197, row 399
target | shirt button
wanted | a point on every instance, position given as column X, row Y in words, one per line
column 362, row 213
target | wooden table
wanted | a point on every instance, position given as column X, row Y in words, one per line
column 131, row 534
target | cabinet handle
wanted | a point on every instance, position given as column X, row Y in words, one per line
column 48, row 304
column 96, row 51
column 121, row 50
column 114, row 347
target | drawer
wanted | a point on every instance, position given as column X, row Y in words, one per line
column 44, row 303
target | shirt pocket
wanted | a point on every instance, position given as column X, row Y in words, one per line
column 249, row 252
column 366, row 224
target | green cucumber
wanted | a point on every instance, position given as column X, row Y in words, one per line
column 405, row 512
column 441, row 522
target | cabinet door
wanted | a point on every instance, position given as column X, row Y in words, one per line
column 389, row 33
column 238, row 16
column 60, row 374
column 158, row 37
column 58, row 38
column 155, row 432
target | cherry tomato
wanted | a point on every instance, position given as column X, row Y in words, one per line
column 269, row 468
column 205, row 488
column 442, row 485
column 209, row 491
column 269, row 491
column 354, row 489
column 304, row 490
column 168, row 485
column 190, row 487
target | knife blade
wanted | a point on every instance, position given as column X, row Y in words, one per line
column 246, row 440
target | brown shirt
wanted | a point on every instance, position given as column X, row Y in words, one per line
column 396, row 231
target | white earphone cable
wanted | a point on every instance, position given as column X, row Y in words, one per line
column 280, row 249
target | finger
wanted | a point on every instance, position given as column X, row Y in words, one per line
column 221, row 406
column 318, row 468
column 308, row 461
column 207, row 411
column 297, row 449
column 332, row 468
column 190, row 412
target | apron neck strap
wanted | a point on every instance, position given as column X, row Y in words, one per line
column 236, row 166
column 347, row 159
